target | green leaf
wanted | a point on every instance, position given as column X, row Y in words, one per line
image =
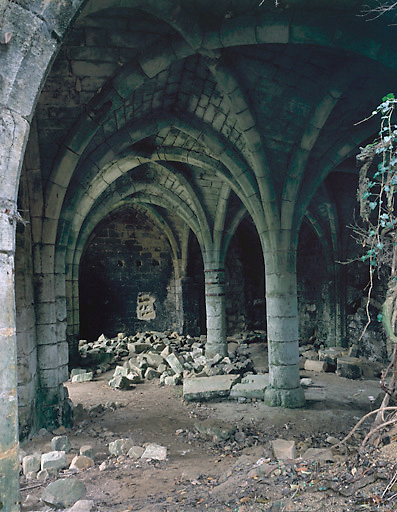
column 380, row 317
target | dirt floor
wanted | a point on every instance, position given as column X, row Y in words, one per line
column 238, row 474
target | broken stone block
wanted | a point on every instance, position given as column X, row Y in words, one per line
column 316, row 366
column 155, row 451
column 154, row 359
column 77, row 371
column 31, row 463
column 252, row 386
column 87, row 450
column 120, row 446
column 174, row 363
column 83, row 377
column 135, row 452
column 81, row 462
column 323, row 454
column 82, row 506
column 283, row 449
column 120, row 370
column 120, row 382
column 330, row 354
column 206, row 388
column 306, row 382
column 215, row 429
column 349, row 367
column 173, row 380
column 134, row 378
column 53, row 460
column 63, row 493
column 151, row 374
column 60, row 443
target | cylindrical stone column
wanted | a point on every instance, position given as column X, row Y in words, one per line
column 215, row 312
column 9, row 460
column 282, row 333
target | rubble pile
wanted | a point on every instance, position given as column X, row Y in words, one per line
column 168, row 357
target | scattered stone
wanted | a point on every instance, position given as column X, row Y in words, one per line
column 316, row 366
column 60, row 443
column 53, row 460
column 120, row 382
column 81, row 462
column 283, row 449
column 121, row 446
column 135, row 452
column 206, row 388
column 63, row 493
column 155, row 451
column 87, row 450
column 306, row 382
column 31, row 463
column 174, row 363
column 83, row 377
column 332, row 440
column 82, row 506
column 348, row 367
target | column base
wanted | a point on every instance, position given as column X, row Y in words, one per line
column 212, row 350
column 288, row 398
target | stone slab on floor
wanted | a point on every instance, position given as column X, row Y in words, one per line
column 207, row 388
column 252, row 386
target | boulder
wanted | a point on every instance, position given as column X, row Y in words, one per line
column 121, row 446
column 135, row 452
column 283, row 449
column 155, row 451
column 81, row 462
column 63, row 493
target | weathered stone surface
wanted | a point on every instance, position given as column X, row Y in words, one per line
column 206, row 388
column 60, row 443
column 82, row 506
column 120, row 382
column 81, row 462
column 53, row 460
column 283, row 449
column 121, row 446
column 63, row 493
column 155, row 451
column 135, row 452
column 87, row 450
column 31, row 463
column 316, row 366
column 175, row 363
column 251, row 386
column 331, row 354
column 83, row 377
column 348, row 367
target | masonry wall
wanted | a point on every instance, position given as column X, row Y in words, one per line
column 126, row 278
column 25, row 321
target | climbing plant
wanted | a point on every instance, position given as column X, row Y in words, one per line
column 377, row 233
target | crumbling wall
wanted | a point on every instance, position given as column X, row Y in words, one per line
column 126, row 267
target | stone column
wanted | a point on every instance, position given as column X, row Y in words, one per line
column 282, row 331
column 9, row 461
column 215, row 310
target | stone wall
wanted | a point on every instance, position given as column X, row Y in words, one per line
column 127, row 280
column 25, row 321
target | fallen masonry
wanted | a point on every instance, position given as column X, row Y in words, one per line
column 173, row 359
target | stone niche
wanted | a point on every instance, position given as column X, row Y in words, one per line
column 145, row 308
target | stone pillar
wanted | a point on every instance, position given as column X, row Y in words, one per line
column 215, row 310
column 282, row 331
column 9, row 461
